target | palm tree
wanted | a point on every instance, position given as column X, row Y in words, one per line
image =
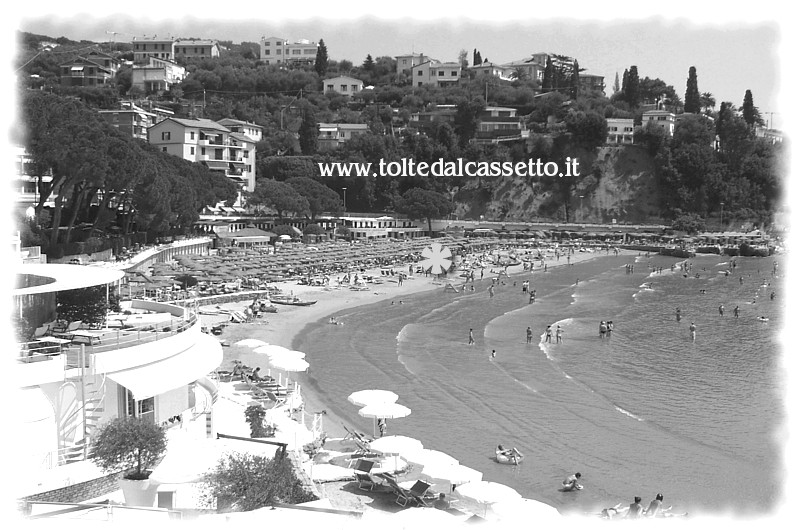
column 707, row 101
column 519, row 74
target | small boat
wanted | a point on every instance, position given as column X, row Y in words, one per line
column 513, row 459
column 292, row 301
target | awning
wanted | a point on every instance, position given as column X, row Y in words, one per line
column 216, row 164
column 76, row 68
column 186, row 367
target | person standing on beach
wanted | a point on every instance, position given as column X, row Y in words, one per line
column 471, row 337
column 528, row 335
column 558, row 335
column 721, row 310
column 494, row 354
column 692, row 330
column 548, row 334
column 609, row 328
column 603, row 329
column 491, row 289
column 736, row 311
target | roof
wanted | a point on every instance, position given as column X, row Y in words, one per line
column 241, row 136
column 199, row 42
column 354, row 126
column 201, row 123
column 62, row 277
column 247, row 232
column 231, row 121
column 344, row 77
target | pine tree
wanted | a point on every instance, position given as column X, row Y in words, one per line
column 369, row 64
column 575, row 81
column 632, row 87
column 548, row 77
column 321, row 62
column 692, row 99
column 616, row 82
column 749, row 109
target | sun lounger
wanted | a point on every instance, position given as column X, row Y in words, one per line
column 366, row 482
column 404, row 496
column 355, row 435
column 363, row 466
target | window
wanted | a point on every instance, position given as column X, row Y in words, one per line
column 191, row 135
column 453, row 74
column 343, row 88
column 165, row 135
column 441, row 73
column 268, row 43
column 278, row 51
column 296, row 52
column 163, row 149
column 405, row 61
column 354, row 88
column 266, row 52
column 191, row 150
column 330, row 87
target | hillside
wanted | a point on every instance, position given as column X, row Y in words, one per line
column 617, row 183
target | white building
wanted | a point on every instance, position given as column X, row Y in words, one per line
column 332, row 135
column 219, row 148
column 146, row 47
column 346, row 86
column 660, row 118
column 157, row 76
column 275, row 50
column 620, row 130
column 406, row 62
column 435, row 73
column 151, row 363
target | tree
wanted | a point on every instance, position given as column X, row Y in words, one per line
column 749, row 109
column 616, row 82
column 309, row 133
column 548, row 79
column 462, row 59
column 245, row 482
column 466, row 119
column 369, row 64
column 89, row 305
column 277, row 195
column 575, row 81
column 589, row 129
column 320, row 197
column 321, row 61
column 420, row 204
column 691, row 101
column 132, row 445
column 632, row 87
column 707, row 101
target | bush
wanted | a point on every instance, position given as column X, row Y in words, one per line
column 133, row 445
column 254, row 414
column 244, row 482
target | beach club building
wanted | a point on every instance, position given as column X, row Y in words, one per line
column 151, row 360
column 383, row 227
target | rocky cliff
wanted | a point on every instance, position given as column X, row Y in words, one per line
column 617, row 182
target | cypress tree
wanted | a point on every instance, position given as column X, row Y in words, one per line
column 616, row 82
column 692, row 100
column 632, row 87
column 369, row 63
column 321, row 62
column 309, row 133
column 749, row 109
column 549, row 76
column 478, row 60
column 625, row 80
column 575, row 81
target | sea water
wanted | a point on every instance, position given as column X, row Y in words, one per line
column 645, row 411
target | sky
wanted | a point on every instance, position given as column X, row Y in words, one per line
column 730, row 57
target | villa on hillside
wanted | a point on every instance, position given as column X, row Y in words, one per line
column 435, row 73
column 620, row 130
column 346, row 86
column 333, row 135
column 156, row 75
column 275, row 50
column 660, row 118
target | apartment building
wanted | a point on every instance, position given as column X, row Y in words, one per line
column 500, row 124
column 275, row 50
column 435, row 73
column 592, row 82
column 158, row 47
column 27, row 183
column 346, row 86
column 205, row 141
column 157, row 76
column 83, row 71
column 130, row 119
column 406, row 62
column 196, row 49
column 500, row 71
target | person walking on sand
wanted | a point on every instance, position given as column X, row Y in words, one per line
column 471, row 337
column 692, row 330
column 528, row 335
column 736, row 312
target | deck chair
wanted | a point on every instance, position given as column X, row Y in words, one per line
column 418, row 491
column 403, row 496
column 367, row 483
column 355, row 435
column 364, row 466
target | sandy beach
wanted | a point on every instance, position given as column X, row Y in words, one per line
column 283, row 327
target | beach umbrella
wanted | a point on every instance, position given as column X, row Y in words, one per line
column 522, row 510
column 451, row 475
column 273, row 350
column 432, row 457
column 366, row 397
column 404, row 445
column 478, row 497
column 251, row 343
column 384, row 411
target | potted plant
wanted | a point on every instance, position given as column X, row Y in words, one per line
column 132, row 446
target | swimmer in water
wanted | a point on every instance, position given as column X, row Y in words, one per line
column 678, row 314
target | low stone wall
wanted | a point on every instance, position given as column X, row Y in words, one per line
column 80, row 492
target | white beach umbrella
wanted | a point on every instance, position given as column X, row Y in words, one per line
column 404, row 445
column 384, row 411
column 274, row 349
column 522, row 510
column 363, row 398
column 478, row 497
column 432, row 457
column 450, row 474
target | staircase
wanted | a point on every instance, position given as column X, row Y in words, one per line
column 93, row 408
